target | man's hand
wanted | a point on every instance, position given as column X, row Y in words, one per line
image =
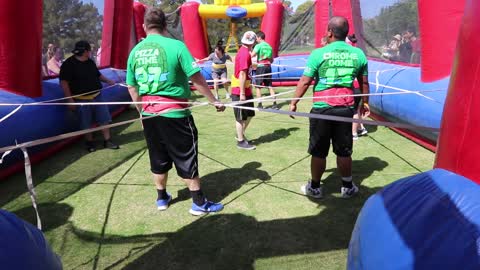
column 365, row 110
column 242, row 97
column 70, row 106
column 219, row 106
column 293, row 108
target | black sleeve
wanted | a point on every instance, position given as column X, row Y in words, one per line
column 66, row 73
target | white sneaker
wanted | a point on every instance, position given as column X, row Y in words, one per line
column 311, row 192
column 349, row 192
column 355, row 137
column 362, row 132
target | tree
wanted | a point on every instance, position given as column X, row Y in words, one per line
column 67, row 21
column 391, row 20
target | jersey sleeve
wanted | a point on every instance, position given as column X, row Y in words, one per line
column 130, row 77
column 188, row 64
column 312, row 65
column 364, row 65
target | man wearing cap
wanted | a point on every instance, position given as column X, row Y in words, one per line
column 241, row 89
column 263, row 75
column 333, row 67
column 80, row 77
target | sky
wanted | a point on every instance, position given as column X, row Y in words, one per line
column 97, row 3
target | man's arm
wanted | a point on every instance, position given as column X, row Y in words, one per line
column 132, row 90
column 302, row 87
column 68, row 93
column 365, row 87
column 202, row 87
column 106, row 80
column 242, row 78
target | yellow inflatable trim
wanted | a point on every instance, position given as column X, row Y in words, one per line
column 220, row 12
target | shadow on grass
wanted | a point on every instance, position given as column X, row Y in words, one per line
column 218, row 185
column 236, row 241
column 276, row 135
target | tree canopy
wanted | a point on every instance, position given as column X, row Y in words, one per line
column 67, row 21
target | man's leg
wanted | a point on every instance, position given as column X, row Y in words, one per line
column 240, row 128
column 317, row 167
column 272, row 94
column 215, row 87
column 259, row 95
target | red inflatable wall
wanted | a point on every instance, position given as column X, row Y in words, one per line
column 322, row 16
column 194, row 33
column 272, row 24
column 21, row 47
column 117, row 18
column 438, row 40
column 459, row 142
column 344, row 8
column 139, row 10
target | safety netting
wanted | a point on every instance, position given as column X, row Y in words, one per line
column 298, row 24
column 64, row 23
column 390, row 30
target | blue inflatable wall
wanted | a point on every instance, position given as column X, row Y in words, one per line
column 36, row 122
column 23, row 246
column 427, row 221
column 385, row 78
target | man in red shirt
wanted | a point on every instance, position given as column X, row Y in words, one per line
column 241, row 89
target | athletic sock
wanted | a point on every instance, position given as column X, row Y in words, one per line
column 162, row 194
column 198, row 197
column 347, row 182
column 314, row 184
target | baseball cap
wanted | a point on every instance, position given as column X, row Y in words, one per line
column 81, row 46
column 249, row 38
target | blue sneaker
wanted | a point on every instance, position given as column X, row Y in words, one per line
column 163, row 204
column 207, row 207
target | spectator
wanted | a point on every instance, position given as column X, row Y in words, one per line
column 53, row 65
column 158, row 70
column 391, row 52
column 405, row 48
column 242, row 90
column 416, row 47
column 264, row 53
column 330, row 82
column 80, row 76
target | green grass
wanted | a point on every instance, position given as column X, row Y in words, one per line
column 98, row 209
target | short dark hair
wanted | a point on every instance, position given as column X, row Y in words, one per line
column 261, row 35
column 339, row 27
column 155, row 19
column 220, row 48
column 352, row 38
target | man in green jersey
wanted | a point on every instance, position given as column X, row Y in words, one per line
column 158, row 71
column 334, row 68
column 263, row 75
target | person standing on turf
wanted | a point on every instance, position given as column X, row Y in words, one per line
column 242, row 90
column 264, row 53
column 334, row 68
column 158, row 70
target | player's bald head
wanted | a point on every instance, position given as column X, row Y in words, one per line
column 339, row 27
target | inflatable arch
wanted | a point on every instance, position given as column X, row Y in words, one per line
column 193, row 17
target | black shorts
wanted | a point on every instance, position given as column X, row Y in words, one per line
column 356, row 99
column 324, row 131
column 260, row 79
column 241, row 115
column 172, row 140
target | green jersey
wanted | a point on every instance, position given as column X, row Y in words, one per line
column 264, row 53
column 335, row 66
column 161, row 66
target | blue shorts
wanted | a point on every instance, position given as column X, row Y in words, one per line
column 90, row 114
